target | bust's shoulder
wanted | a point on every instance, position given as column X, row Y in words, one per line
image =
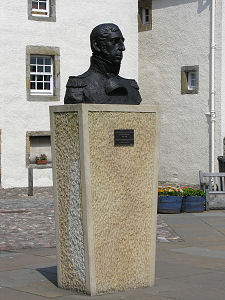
column 130, row 82
column 79, row 81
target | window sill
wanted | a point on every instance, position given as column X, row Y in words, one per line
column 35, row 166
column 143, row 27
column 189, row 92
column 42, row 18
column 42, row 98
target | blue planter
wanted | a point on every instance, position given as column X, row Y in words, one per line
column 169, row 204
column 193, row 204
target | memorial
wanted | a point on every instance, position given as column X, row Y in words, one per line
column 102, row 84
column 105, row 176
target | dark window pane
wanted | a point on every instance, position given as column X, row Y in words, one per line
column 40, row 69
column 147, row 19
column 33, row 68
column 40, row 61
column 42, row 5
column 34, row 5
column 40, row 86
column 48, row 61
column 32, row 77
column 32, row 85
column 39, row 78
column 47, row 78
column 33, row 60
column 48, row 69
column 47, row 86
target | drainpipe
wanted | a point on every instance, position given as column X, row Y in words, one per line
column 212, row 87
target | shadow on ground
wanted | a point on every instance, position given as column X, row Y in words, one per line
column 50, row 273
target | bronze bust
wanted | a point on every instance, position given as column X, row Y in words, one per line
column 101, row 84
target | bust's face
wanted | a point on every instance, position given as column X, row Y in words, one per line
column 112, row 47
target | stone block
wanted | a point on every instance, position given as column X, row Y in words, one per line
column 105, row 196
column 215, row 200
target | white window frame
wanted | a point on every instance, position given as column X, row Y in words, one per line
column 44, row 73
column 144, row 15
column 191, row 86
column 38, row 11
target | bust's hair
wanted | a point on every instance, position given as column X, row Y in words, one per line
column 101, row 32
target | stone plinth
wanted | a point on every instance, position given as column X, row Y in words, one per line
column 105, row 196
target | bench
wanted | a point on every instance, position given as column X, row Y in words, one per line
column 213, row 184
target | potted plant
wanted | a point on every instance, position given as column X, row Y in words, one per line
column 41, row 160
column 193, row 201
column 169, row 200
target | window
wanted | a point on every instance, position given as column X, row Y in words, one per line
column 37, row 143
column 189, row 79
column 144, row 15
column 40, row 7
column 42, row 10
column 42, row 72
column 41, row 75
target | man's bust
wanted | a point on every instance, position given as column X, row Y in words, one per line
column 102, row 84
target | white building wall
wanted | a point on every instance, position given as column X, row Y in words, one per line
column 74, row 21
column 180, row 36
column 222, row 69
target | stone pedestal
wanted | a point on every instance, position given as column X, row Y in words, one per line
column 105, row 195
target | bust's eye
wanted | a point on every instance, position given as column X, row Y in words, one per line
column 117, row 40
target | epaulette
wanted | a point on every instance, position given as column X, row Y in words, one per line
column 134, row 84
column 76, row 82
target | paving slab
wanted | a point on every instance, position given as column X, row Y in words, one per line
column 9, row 294
column 200, row 251
column 44, row 289
column 18, row 260
column 188, row 292
column 181, row 219
column 171, row 270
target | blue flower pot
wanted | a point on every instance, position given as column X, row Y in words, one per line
column 169, row 204
column 193, row 204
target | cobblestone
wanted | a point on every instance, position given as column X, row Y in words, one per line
column 28, row 222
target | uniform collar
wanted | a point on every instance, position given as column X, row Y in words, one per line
column 101, row 65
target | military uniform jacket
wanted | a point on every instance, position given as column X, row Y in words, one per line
column 99, row 85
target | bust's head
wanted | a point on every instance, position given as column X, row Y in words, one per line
column 107, row 42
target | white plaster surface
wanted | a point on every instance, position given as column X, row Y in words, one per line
column 180, row 36
column 74, row 21
column 222, row 68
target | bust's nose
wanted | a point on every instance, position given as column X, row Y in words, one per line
column 121, row 46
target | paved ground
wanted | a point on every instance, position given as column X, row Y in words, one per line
column 28, row 222
column 190, row 254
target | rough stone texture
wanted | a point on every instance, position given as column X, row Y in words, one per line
column 106, row 195
column 215, row 201
column 75, row 221
column 122, row 195
column 71, row 257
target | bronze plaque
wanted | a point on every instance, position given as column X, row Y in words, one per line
column 123, row 137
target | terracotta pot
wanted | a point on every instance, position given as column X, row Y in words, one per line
column 41, row 162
